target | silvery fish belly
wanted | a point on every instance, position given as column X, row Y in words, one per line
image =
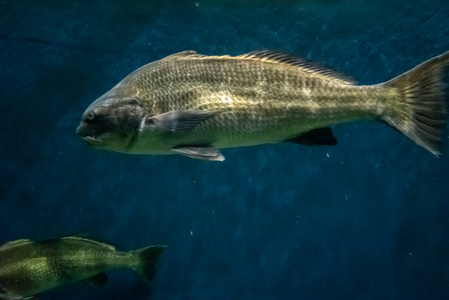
column 194, row 105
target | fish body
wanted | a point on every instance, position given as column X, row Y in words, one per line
column 194, row 105
column 28, row 268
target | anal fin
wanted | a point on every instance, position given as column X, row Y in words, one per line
column 315, row 137
column 101, row 279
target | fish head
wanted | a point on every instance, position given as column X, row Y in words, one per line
column 111, row 122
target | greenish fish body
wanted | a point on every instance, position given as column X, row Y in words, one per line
column 28, row 268
column 194, row 105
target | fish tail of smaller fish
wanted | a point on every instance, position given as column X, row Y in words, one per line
column 146, row 262
column 419, row 110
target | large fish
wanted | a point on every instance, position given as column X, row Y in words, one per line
column 28, row 268
column 194, row 105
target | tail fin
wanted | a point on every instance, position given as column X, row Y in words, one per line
column 422, row 115
column 148, row 259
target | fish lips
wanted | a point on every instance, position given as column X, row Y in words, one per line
column 92, row 141
column 89, row 139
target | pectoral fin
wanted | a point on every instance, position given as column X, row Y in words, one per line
column 101, row 279
column 179, row 120
column 315, row 137
column 202, row 153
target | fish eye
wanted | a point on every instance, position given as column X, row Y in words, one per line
column 90, row 115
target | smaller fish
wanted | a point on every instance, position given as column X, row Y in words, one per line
column 28, row 268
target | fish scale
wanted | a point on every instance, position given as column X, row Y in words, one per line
column 28, row 268
column 191, row 103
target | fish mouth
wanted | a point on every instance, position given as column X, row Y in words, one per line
column 89, row 139
column 92, row 141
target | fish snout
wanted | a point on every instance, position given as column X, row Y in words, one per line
column 81, row 130
column 84, row 133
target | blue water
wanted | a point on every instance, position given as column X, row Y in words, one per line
column 366, row 219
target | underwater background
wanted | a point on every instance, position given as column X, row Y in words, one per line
column 366, row 219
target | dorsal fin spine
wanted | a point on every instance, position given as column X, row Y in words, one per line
column 276, row 58
column 307, row 66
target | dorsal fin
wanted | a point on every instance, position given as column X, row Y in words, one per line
column 307, row 66
column 15, row 243
column 90, row 237
column 88, row 240
column 184, row 54
column 274, row 57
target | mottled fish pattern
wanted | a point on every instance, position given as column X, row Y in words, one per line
column 28, row 268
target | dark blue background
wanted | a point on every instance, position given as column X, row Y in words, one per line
column 367, row 219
